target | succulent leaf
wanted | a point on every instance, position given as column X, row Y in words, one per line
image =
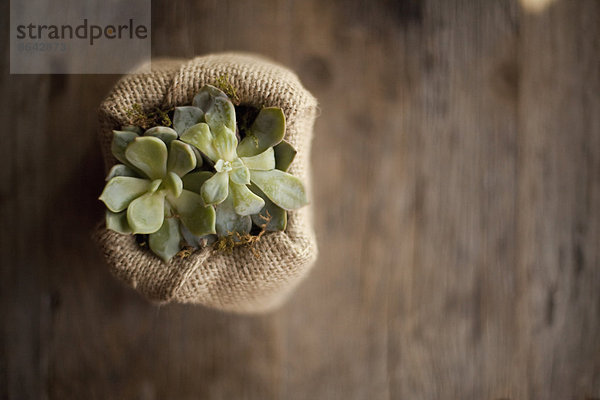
column 284, row 155
column 154, row 185
column 149, row 154
column 266, row 131
column 271, row 214
column 173, row 184
column 117, row 222
column 132, row 128
column 222, row 113
column 228, row 221
column 224, row 142
column 164, row 133
column 120, row 191
column 239, row 172
column 198, row 218
column 195, row 180
column 200, row 137
column 244, row 201
column 264, row 161
column 184, row 117
column 120, row 170
column 165, row 242
column 182, row 158
column 146, row 213
column 119, row 143
column 218, row 109
column 285, row 190
column 215, row 189
column 206, row 95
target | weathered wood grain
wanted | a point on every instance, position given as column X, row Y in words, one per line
column 457, row 184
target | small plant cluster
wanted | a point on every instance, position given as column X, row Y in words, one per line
column 204, row 178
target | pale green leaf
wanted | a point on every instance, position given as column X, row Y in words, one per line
column 271, row 214
column 121, row 140
column 163, row 133
column 149, row 154
column 195, row 180
column 122, row 190
column 146, row 213
column 244, row 201
column 266, row 131
column 239, row 172
column 221, row 113
column 224, row 142
column 206, row 96
column 228, row 221
column 173, row 184
column 184, row 117
column 284, row 155
column 132, row 128
column 117, row 222
column 200, row 137
column 197, row 217
column 121, row 170
column 182, row 158
column 264, row 161
column 154, row 185
column 285, row 190
column 165, row 242
column 215, row 189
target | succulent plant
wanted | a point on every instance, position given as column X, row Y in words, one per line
column 145, row 194
column 164, row 189
column 246, row 180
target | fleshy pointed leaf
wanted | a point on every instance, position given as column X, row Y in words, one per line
column 228, row 221
column 284, row 155
column 122, row 190
column 149, row 154
column 271, row 214
column 146, row 213
column 201, row 138
column 184, row 117
column 182, row 158
column 121, row 170
column 132, row 128
column 225, row 143
column 206, row 96
column 215, row 189
column 239, row 172
column 266, row 131
column 121, row 140
column 165, row 242
column 173, row 184
column 264, row 161
column 195, row 180
column 244, row 201
column 222, row 113
column 117, row 222
column 285, row 190
column 218, row 109
column 154, row 185
column 163, row 133
column 197, row 217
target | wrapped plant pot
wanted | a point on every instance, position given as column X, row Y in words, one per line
column 208, row 164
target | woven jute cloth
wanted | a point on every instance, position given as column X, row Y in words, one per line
column 239, row 281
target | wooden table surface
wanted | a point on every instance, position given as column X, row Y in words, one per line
column 457, row 191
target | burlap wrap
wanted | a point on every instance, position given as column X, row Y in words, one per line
column 239, row 281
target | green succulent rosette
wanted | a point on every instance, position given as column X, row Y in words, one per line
column 202, row 178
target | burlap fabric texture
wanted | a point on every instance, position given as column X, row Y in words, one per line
column 239, row 281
